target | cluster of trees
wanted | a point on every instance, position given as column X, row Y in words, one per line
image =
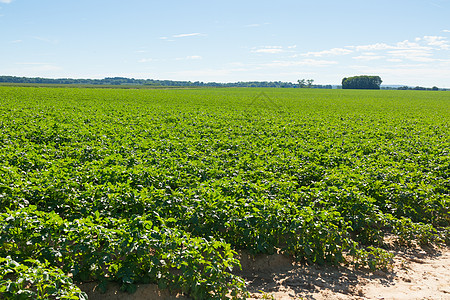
column 362, row 82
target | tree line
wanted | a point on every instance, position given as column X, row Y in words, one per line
column 355, row 82
column 418, row 88
column 156, row 83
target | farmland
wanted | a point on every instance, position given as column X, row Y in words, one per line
column 165, row 186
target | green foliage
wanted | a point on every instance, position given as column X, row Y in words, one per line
column 32, row 279
column 163, row 186
column 373, row 258
column 127, row 251
column 362, row 82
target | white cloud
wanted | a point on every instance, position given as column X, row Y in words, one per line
column 191, row 57
column 427, row 43
column 383, row 46
column 304, row 62
column 368, row 57
column 394, row 60
column 331, row 52
column 409, row 45
column 423, row 74
column 6, row 1
column 373, row 47
column 273, row 49
column 420, row 50
column 438, row 41
column 445, row 30
column 186, row 35
column 165, row 38
column 413, row 54
column 268, row 50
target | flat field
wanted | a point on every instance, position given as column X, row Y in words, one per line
column 165, row 186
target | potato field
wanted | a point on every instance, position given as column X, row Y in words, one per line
column 167, row 186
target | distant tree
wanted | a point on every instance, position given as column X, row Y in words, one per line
column 435, row 88
column 362, row 82
column 305, row 83
column 301, row 83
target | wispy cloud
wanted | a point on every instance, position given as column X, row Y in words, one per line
column 189, row 57
column 331, row 52
column 268, row 49
column 303, row 62
column 273, row 49
column 183, row 35
column 6, row 1
column 16, row 42
column 194, row 57
column 438, row 41
column 413, row 73
column 445, row 30
column 187, row 35
column 383, row 46
column 368, row 57
column 424, row 43
column 165, row 38
column 422, row 49
column 413, row 54
column 394, row 60
column 372, row 47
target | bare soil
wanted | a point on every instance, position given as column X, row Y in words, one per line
column 420, row 273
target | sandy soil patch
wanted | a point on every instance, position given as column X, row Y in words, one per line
column 417, row 274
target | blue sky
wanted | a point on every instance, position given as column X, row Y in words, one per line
column 404, row 42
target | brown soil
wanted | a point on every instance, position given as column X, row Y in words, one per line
column 417, row 274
